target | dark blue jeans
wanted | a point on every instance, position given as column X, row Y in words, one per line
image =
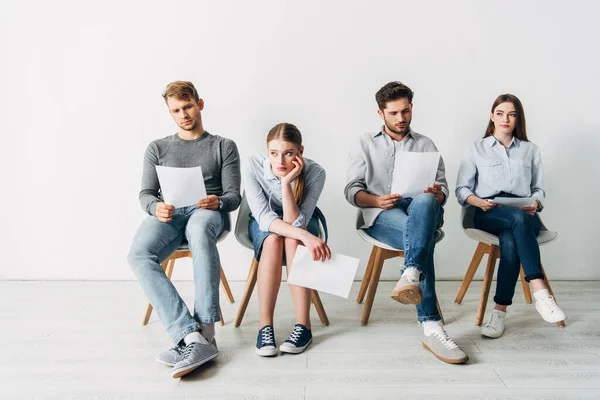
column 518, row 245
column 411, row 226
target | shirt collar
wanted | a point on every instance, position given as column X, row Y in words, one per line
column 491, row 141
column 381, row 132
column 267, row 171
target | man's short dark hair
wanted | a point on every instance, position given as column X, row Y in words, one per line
column 393, row 91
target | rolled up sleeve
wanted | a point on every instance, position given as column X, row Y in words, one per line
column 257, row 200
column 311, row 197
column 465, row 181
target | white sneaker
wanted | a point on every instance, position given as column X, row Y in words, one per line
column 495, row 326
column 549, row 310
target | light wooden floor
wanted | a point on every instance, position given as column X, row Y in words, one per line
column 83, row 340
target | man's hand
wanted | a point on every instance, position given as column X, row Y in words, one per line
column 317, row 247
column 530, row 210
column 388, row 201
column 164, row 212
column 211, row 202
column 436, row 191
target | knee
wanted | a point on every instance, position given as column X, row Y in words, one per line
column 273, row 242
column 520, row 218
column 138, row 256
column 425, row 200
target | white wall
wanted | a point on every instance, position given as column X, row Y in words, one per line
column 81, row 88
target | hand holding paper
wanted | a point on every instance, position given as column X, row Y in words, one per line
column 181, row 187
column 414, row 172
column 333, row 276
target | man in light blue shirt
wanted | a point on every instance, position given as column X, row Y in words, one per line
column 403, row 223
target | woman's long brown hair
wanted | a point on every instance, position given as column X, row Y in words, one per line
column 520, row 129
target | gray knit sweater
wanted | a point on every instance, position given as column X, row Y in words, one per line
column 218, row 157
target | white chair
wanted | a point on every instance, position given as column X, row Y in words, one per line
column 243, row 237
column 184, row 251
column 489, row 244
column 379, row 254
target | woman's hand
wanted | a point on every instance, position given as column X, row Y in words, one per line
column 317, row 247
column 485, row 204
column 530, row 210
column 298, row 163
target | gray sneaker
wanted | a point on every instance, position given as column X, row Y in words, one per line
column 194, row 355
column 170, row 357
column 444, row 348
column 174, row 355
column 407, row 291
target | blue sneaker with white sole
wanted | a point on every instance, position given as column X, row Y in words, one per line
column 298, row 340
column 265, row 342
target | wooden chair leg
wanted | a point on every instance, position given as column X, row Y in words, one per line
column 225, row 286
column 487, row 281
column 373, row 282
column 440, row 310
column 167, row 266
column 250, row 282
column 526, row 289
column 367, row 277
column 316, row 300
column 481, row 249
column 547, row 283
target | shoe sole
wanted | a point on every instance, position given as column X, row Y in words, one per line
column 266, row 352
column 446, row 360
column 408, row 295
column 178, row 373
column 163, row 362
column 491, row 336
column 294, row 350
column 550, row 320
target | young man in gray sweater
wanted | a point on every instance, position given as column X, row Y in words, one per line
column 200, row 225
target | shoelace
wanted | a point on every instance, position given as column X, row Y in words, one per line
column 267, row 335
column 445, row 339
column 295, row 335
column 494, row 321
column 188, row 349
column 177, row 349
column 549, row 301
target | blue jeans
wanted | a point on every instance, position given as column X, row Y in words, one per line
column 518, row 245
column 155, row 241
column 411, row 226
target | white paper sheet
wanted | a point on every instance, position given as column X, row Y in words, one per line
column 513, row 201
column 333, row 276
column 181, row 187
column 414, row 172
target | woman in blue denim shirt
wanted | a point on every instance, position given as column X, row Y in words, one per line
column 282, row 189
column 506, row 164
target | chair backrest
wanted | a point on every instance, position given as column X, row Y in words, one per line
column 241, row 225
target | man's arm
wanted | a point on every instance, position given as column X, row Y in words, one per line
column 149, row 194
column 230, row 176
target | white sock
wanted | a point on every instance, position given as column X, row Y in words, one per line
column 194, row 337
column 540, row 294
column 430, row 326
column 208, row 331
column 411, row 274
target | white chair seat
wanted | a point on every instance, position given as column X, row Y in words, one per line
column 543, row 238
